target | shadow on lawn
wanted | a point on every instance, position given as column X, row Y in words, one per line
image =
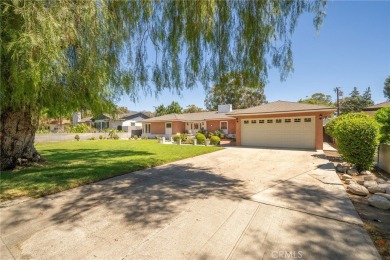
column 148, row 198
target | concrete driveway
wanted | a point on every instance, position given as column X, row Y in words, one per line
column 238, row 203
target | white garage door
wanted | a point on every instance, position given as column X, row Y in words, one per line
column 290, row 132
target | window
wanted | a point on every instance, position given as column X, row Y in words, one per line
column 253, row 121
column 132, row 124
column 224, row 125
column 261, row 121
column 168, row 125
column 196, row 126
column 147, row 129
column 297, row 120
column 287, row 120
column 307, row 120
column 270, row 121
column 246, row 121
column 278, row 121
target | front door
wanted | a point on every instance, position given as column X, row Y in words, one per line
column 224, row 127
column 168, row 129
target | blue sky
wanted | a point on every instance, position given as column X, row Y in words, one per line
column 351, row 49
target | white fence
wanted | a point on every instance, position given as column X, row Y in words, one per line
column 42, row 138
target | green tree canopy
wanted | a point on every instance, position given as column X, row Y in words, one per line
column 386, row 88
column 356, row 102
column 192, row 109
column 382, row 116
column 72, row 55
column 235, row 89
column 173, row 108
column 318, row 99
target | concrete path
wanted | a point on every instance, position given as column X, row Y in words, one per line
column 238, row 203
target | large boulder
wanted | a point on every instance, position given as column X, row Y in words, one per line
column 380, row 181
column 379, row 202
column 353, row 172
column 365, row 173
column 376, row 189
column 349, row 181
column 384, row 195
column 369, row 178
column 357, row 189
column 370, row 184
column 346, row 177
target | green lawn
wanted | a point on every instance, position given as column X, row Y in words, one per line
column 71, row 164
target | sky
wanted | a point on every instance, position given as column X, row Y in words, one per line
column 352, row 49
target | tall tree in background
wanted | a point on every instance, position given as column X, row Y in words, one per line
column 236, row 89
column 67, row 55
column 356, row 102
column 386, row 88
column 192, row 109
column 173, row 108
column 318, row 99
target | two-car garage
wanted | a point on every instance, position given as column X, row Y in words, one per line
column 281, row 124
column 289, row 132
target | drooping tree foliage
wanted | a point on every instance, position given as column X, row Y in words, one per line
column 237, row 89
column 70, row 55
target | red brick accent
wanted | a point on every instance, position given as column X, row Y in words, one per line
column 157, row 128
column 178, row 127
column 214, row 125
column 318, row 124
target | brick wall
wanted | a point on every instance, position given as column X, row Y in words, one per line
column 214, row 125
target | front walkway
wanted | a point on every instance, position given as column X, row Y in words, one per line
column 238, row 203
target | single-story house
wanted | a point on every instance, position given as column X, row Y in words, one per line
column 190, row 123
column 56, row 125
column 281, row 124
column 372, row 109
column 126, row 122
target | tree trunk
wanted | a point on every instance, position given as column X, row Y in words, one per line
column 17, row 133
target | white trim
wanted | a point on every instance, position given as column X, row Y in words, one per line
column 227, row 127
column 281, row 112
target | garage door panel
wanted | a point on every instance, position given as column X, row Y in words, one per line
column 285, row 134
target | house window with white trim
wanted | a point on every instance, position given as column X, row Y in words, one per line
column 147, row 129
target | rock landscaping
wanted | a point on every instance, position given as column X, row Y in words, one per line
column 366, row 184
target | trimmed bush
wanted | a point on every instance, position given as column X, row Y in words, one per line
column 77, row 137
column 357, row 139
column 115, row 137
column 135, row 137
column 100, row 137
column 200, row 138
column 92, row 138
column 215, row 140
column 176, row 138
column 183, row 137
column 331, row 126
column 382, row 116
column 145, row 137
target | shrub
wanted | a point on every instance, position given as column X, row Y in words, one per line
column 92, row 138
column 77, row 137
column 331, row 126
column 357, row 138
column 183, row 137
column 135, row 137
column 210, row 134
column 100, row 137
column 115, row 136
column 81, row 128
column 200, row 138
column 222, row 135
column 382, row 116
column 176, row 138
column 145, row 137
column 215, row 140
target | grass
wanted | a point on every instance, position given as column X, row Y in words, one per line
column 72, row 164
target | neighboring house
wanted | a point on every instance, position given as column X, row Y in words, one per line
column 126, row 122
column 56, row 125
column 190, row 123
column 372, row 109
column 281, row 124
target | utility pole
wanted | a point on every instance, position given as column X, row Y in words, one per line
column 338, row 94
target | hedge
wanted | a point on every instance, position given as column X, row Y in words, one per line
column 357, row 139
column 215, row 140
column 200, row 138
column 382, row 116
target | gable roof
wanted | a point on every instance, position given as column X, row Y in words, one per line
column 377, row 106
column 200, row 116
column 135, row 115
column 281, row 107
